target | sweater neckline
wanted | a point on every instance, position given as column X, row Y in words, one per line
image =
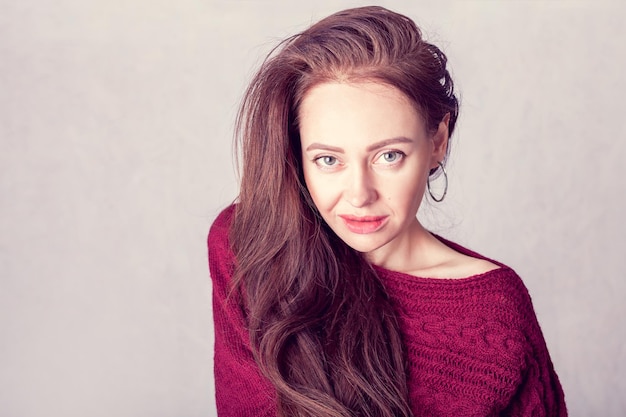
column 403, row 276
column 476, row 278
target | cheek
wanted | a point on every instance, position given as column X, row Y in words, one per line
column 324, row 191
column 313, row 186
column 404, row 193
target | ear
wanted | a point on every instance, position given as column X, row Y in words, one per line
column 440, row 142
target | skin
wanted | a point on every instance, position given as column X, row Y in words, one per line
column 366, row 157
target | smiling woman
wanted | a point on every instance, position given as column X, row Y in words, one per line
column 368, row 172
column 330, row 297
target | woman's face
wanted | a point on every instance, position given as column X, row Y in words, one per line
column 366, row 156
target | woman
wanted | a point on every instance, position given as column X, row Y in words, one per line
column 330, row 298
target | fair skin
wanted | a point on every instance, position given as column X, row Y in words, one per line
column 366, row 157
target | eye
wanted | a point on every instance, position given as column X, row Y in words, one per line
column 391, row 157
column 326, row 161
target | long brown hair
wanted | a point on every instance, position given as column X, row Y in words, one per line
column 321, row 325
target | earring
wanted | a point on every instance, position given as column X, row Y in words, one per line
column 445, row 190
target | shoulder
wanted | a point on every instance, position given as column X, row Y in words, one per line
column 500, row 284
column 458, row 265
column 221, row 224
column 221, row 257
column 468, row 280
column 450, row 260
column 220, row 229
column 469, row 253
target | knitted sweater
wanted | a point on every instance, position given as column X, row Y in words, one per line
column 474, row 347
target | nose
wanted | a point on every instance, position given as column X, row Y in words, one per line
column 360, row 188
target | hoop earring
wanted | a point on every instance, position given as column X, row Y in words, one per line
column 445, row 190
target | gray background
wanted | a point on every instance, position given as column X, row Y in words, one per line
column 115, row 131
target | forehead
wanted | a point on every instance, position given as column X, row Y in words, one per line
column 367, row 110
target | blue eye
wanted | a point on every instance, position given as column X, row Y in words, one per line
column 326, row 160
column 392, row 156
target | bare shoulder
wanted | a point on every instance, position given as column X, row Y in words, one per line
column 451, row 264
column 457, row 262
column 462, row 266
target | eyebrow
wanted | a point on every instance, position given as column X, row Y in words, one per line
column 377, row 145
column 387, row 142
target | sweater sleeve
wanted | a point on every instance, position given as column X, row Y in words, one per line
column 539, row 393
column 240, row 389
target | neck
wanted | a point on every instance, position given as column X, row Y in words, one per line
column 407, row 252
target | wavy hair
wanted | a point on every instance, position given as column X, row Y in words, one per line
column 321, row 325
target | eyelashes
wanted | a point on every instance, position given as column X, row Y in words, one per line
column 391, row 157
column 388, row 158
column 326, row 161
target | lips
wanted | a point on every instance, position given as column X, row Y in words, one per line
column 363, row 225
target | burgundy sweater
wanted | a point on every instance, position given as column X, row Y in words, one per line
column 474, row 346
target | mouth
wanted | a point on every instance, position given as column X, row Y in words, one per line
column 363, row 225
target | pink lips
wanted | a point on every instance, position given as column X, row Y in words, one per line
column 363, row 225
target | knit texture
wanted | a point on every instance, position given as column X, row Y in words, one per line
column 474, row 346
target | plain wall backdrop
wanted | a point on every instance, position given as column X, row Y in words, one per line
column 116, row 154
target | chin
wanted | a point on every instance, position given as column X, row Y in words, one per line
column 363, row 245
